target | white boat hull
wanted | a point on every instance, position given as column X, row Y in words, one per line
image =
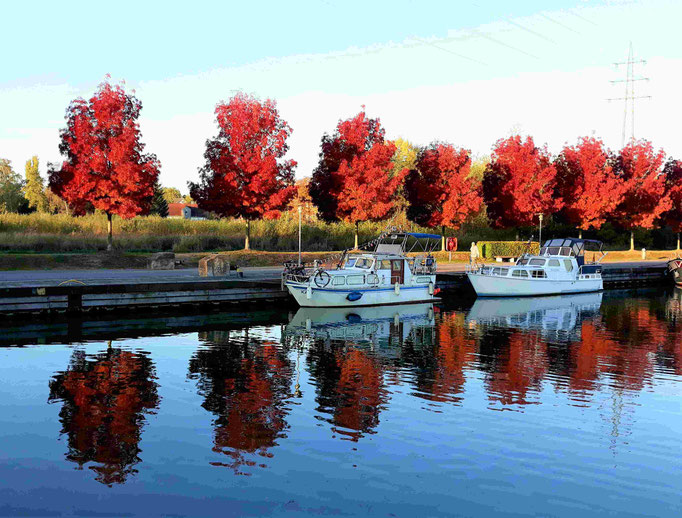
column 496, row 286
column 310, row 296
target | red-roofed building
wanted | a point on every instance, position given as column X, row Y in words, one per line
column 185, row 211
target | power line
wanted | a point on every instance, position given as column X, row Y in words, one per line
column 629, row 96
column 451, row 52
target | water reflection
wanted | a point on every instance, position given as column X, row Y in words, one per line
column 354, row 366
column 105, row 398
column 245, row 383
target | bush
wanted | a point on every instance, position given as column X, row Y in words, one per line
column 491, row 249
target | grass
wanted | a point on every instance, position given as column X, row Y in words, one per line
column 63, row 234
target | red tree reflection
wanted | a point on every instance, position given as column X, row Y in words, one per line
column 350, row 387
column 519, row 369
column 105, row 398
column 246, row 385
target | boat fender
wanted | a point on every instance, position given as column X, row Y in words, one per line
column 431, row 288
column 397, row 288
column 309, row 293
column 353, row 296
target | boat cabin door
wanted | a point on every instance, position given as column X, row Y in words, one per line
column 397, row 271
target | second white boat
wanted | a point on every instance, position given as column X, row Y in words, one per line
column 559, row 268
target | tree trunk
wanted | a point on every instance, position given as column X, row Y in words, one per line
column 247, row 244
column 678, row 241
column 110, row 233
column 357, row 231
column 580, row 233
column 632, row 240
column 442, row 239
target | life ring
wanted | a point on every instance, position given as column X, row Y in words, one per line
column 451, row 244
column 322, row 279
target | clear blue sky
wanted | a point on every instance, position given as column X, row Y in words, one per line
column 78, row 41
column 467, row 72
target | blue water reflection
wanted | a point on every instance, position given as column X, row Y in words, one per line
column 558, row 406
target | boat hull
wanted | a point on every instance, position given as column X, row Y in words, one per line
column 675, row 268
column 312, row 297
column 495, row 286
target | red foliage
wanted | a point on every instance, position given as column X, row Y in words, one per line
column 645, row 198
column 673, row 186
column 244, row 175
column 105, row 168
column 354, row 179
column 587, row 184
column 439, row 190
column 519, row 183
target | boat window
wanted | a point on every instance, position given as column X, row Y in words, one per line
column 565, row 250
column 372, row 279
column 568, row 264
column 554, row 250
column 556, row 242
column 576, row 249
column 519, row 273
column 338, row 280
column 350, row 262
column 501, row 271
column 385, row 264
column 363, row 263
column 522, row 261
column 554, row 262
column 423, row 280
column 537, row 262
column 538, row 274
column 355, row 280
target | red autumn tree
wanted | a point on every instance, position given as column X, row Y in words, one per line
column 105, row 167
column 519, row 183
column 440, row 190
column 587, row 183
column 354, row 180
column 640, row 167
column 244, row 174
column 673, row 186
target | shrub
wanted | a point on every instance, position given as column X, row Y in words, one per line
column 491, row 249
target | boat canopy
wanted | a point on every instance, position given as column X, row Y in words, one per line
column 390, row 240
column 576, row 245
column 420, row 235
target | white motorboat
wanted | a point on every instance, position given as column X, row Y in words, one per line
column 559, row 268
column 385, row 275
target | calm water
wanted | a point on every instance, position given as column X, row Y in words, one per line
column 561, row 406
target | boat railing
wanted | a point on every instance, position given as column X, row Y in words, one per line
column 590, row 269
column 424, row 265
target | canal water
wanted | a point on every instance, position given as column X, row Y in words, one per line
column 557, row 406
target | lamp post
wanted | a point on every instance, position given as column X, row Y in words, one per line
column 540, row 237
column 300, row 212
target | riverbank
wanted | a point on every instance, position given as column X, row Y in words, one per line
column 242, row 258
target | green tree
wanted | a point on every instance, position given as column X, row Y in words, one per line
column 11, row 187
column 171, row 194
column 34, row 188
column 159, row 205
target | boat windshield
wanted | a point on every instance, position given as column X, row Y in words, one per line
column 358, row 262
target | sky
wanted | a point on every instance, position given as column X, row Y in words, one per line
column 458, row 71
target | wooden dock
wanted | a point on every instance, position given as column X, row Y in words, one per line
column 149, row 293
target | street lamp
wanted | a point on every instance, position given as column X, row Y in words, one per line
column 300, row 212
column 540, row 237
